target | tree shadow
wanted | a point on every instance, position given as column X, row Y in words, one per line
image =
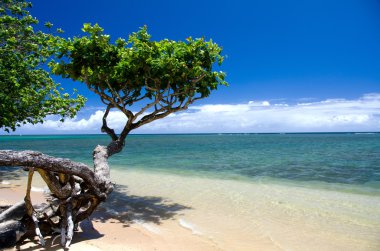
column 88, row 232
column 125, row 208
column 120, row 207
column 11, row 173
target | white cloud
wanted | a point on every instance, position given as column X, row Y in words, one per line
column 339, row 115
column 93, row 124
column 262, row 103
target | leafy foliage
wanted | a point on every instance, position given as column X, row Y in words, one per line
column 27, row 92
column 168, row 75
column 140, row 63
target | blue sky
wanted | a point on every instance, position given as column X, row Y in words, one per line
column 281, row 53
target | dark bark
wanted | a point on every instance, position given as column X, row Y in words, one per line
column 76, row 191
column 51, row 164
column 10, row 232
column 15, row 212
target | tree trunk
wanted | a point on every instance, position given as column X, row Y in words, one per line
column 76, row 191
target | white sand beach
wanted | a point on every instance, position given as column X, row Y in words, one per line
column 159, row 211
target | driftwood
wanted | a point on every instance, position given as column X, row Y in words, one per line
column 76, row 191
column 11, row 231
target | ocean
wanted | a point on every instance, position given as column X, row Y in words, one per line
column 324, row 188
column 344, row 158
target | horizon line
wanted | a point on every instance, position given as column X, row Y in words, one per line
column 200, row 133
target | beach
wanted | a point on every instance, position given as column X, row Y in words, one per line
column 190, row 125
column 108, row 230
column 177, row 209
column 170, row 212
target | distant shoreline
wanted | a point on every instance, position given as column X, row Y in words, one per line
column 225, row 133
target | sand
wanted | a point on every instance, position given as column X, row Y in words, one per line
column 106, row 233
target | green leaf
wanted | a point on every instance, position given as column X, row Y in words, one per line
column 27, row 89
column 48, row 25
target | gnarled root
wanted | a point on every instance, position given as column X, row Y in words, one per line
column 76, row 191
column 63, row 211
column 70, row 226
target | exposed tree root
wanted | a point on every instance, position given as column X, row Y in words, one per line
column 76, row 191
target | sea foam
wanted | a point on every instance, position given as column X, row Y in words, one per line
column 147, row 226
column 37, row 189
column 189, row 226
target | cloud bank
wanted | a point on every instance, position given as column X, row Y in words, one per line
column 332, row 115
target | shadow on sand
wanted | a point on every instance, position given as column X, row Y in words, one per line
column 120, row 207
column 11, row 173
column 126, row 208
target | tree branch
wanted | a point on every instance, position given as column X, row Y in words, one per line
column 105, row 127
column 62, row 192
column 52, row 164
column 104, row 96
column 196, row 80
column 29, row 207
column 157, row 100
column 154, row 116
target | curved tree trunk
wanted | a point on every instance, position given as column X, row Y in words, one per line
column 76, row 191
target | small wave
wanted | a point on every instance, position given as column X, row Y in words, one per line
column 40, row 190
column 4, row 182
column 189, row 226
column 37, row 189
column 365, row 133
column 148, row 226
column 112, row 211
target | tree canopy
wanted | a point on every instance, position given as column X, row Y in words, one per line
column 167, row 76
column 27, row 92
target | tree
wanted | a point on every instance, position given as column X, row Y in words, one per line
column 162, row 76
column 28, row 93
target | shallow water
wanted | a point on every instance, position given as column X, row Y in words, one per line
column 263, row 215
column 331, row 158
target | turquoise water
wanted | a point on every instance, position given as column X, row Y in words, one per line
column 282, row 191
column 329, row 158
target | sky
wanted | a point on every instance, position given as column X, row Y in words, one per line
column 292, row 66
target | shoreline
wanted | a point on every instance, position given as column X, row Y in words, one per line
column 161, row 211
